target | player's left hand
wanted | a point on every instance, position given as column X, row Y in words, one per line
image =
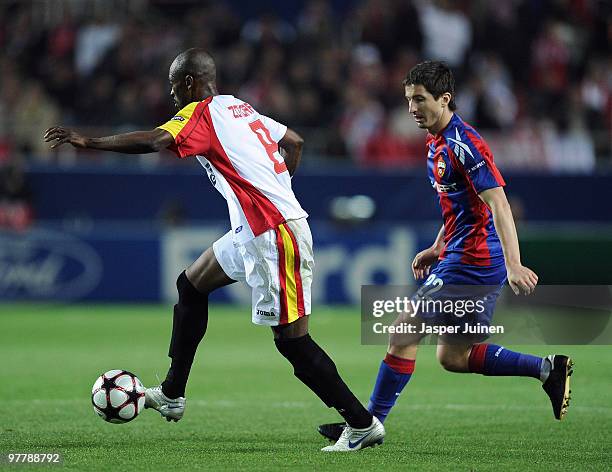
column 521, row 279
column 64, row 135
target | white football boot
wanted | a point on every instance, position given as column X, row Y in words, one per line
column 353, row 439
column 170, row 408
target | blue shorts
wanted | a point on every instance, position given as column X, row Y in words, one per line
column 462, row 274
column 465, row 293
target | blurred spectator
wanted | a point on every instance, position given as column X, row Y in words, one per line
column 333, row 70
column 550, row 65
column 570, row 152
column 15, row 198
column 496, row 105
column 362, row 118
column 398, row 143
column 34, row 112
column 596, row 103
column 447, row 31
column 389, row 25
column 388, row 148
column 316, row 23
column 268, row 29
column 93, row 40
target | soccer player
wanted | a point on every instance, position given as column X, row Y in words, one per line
column 269, row 245
column 477, row 245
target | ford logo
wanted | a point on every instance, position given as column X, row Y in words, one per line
column 47, row 264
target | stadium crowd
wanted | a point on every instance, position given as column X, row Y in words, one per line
column 535, row 75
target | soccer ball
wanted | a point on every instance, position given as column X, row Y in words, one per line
column 118, row 396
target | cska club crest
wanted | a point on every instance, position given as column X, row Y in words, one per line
column 441, row 166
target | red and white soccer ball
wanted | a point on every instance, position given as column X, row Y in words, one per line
column 118, row 396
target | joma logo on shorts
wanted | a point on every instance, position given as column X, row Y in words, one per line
column 265, row 313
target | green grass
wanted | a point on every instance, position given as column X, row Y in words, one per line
column 246, row 410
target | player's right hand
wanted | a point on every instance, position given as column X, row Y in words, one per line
column 423, row 261
column 521, row 279
column 62, row 135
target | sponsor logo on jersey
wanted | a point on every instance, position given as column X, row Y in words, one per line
column 237, row 230
column 480, row 164
column 441, row 166
column 445, row 188
column 177, row 118
column 460, row 147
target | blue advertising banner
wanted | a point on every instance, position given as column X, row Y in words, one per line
column 50, row 264
column 124, row 265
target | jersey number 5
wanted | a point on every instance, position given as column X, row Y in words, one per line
column 269, row 145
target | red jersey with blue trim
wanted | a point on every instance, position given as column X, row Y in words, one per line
column 460, row 166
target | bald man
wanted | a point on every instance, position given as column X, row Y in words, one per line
column 269, row 245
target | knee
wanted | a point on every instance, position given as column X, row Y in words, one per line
column 453, row 362
column 297, row 329
column 188, row 294
column 290, row 348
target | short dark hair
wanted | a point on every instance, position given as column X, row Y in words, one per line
column 436, row 77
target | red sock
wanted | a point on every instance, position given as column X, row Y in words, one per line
column 400, row 365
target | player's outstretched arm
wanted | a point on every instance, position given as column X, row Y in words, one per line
column 292, row 143
column 137, row 142
column 520, row 278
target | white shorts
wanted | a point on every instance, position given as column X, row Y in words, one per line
column 278, row 266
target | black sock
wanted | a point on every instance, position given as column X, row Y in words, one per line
column 176, row 378
column 318, row 372
column 188, row 328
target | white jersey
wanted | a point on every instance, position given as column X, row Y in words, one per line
column 238, row 148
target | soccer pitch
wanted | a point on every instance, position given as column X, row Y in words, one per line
column 246, row 410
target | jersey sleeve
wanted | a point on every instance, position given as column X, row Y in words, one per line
column 475, row 160
column 190, row 130
column 276, row 129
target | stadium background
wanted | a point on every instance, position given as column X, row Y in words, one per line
column 534, row 77
column 82, row 233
